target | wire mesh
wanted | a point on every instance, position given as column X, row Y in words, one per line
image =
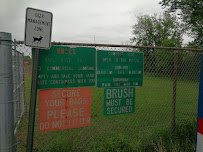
column 153, row 105
column 18, row 90
column 18, row 81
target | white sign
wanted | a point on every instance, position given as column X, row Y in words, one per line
column 38, row 28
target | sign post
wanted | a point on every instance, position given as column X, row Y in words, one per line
column 38, row 28
column 33, row 96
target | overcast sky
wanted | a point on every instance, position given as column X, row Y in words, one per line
column 109, row 21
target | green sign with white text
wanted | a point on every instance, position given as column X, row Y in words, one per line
column 119, row 101
column 65, row 67
column 119, row 69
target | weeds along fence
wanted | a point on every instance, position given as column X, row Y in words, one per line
column 168, row 98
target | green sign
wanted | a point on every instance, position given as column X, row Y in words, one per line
column 119, row 69
column 119, row 101
column 64, row 67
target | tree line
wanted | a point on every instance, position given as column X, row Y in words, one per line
column 167, row 29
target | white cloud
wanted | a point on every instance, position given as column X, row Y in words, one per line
column 109, row 21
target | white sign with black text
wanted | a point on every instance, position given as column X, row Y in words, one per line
column 38, row 28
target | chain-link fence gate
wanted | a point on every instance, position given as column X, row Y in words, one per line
column 169, row 96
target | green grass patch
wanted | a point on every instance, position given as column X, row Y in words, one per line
column 144, row 130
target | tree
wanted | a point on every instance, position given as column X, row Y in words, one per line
column 190, row 12
column 158, row 30
column 162, row 30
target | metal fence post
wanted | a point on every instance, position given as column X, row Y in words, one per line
column 6, row 94
column 22, row 84
column 24, row 102
column 33, row 97
column 18, row 87
column 15, row 84
column 175, row 74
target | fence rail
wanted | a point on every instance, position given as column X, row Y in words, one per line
column 168, row 98
column 119, row 45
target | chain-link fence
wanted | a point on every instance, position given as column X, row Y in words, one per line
column 167, row 99
column 18, row 87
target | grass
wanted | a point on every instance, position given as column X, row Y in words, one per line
column 148, row 129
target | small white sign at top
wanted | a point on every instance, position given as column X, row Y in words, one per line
column 38, row 28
